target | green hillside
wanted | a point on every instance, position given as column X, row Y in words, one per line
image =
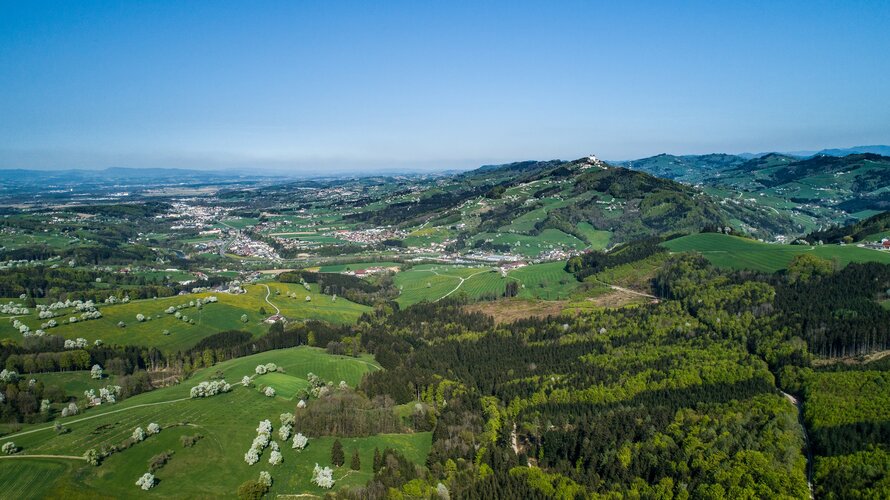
column 740, row 253
column 227, row 423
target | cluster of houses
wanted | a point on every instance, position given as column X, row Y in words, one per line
column 883, row 245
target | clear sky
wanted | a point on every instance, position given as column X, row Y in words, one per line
column 328, row 85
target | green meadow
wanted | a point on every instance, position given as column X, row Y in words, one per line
column 212, row 318
column 431, row 282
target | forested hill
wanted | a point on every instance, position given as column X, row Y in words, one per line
column 873, row 227
column 572, row 197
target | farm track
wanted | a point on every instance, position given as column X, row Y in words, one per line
column 459, row 284
column 269, row 292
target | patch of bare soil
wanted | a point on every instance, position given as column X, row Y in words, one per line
column 507, row 311
column 617, row 298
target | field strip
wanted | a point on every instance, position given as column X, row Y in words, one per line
column 70, row 457
column 269, row 292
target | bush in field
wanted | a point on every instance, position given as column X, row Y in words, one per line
column 252, row 490
column 153, row 428
column 269, row 391
column 275, row 458
column 138, row 434
column 9, row 448
column 96, row 372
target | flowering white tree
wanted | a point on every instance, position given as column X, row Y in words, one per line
column 146, row 481
column 275, row 458
column 269, row 391
column 323, row 477
column 44, row 406
column 92, row 456
column 284, row 432
column 153, row 428
column 271, row 367
column 300, row 441
column 260, row 369
column 211, row 388
column 301, row 404
column 9, row 448
column 343, row 385
column 8, row 376
column 265, row 479
column 244, row 318
column 246, row 381
column 138, row 434
column 96, row 372
column 265, row 427
column 140, row 317
column 252, row 456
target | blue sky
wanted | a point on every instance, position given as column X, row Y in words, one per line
column 323, row 86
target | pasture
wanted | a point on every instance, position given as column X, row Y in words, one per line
column 732, row 252
column 227, row 421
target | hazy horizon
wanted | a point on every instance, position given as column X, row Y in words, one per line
column 316, row 88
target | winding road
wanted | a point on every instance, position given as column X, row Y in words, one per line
column 269, row 292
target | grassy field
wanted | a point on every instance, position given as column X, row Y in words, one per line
column 223, row 315
column 74, row 382
column 597, row 239
column 227, row 422
column 739, row 253
column 547, row 281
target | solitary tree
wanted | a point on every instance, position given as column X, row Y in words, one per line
column 356, row 462
column 337, row 456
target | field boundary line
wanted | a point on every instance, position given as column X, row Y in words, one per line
column 67, row 457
